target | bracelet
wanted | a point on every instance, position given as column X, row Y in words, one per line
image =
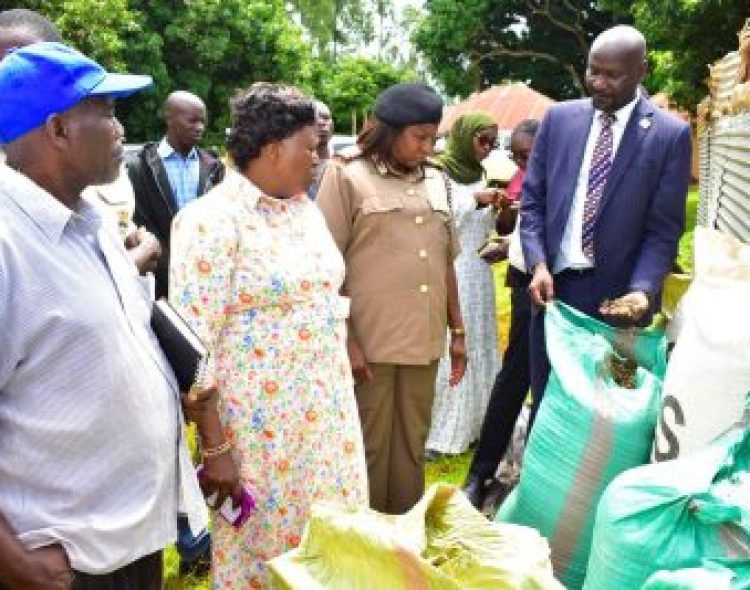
column 217, row 450
column 460, row 331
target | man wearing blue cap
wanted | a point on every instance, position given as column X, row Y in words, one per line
column 94, row 464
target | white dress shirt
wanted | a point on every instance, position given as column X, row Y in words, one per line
column 571, row 249
column 91, row 449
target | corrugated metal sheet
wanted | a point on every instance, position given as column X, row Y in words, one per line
column 724, row 144
column 704, row 176
column 725, row 162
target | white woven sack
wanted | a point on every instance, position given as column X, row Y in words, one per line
column 708, row 374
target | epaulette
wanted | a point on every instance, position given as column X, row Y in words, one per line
column 348, row 154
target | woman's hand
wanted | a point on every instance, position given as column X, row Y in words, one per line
column 457, row 351
column 221, row 476
column 486, row 197
column 199, row 402
column 361, row 371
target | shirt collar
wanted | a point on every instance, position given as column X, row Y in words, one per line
column 250, row 195
column 165, row 150
column 384, row 169
column 622, row 115
column 49, row 214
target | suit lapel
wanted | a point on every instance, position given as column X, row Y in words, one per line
column 630, row 144
column 576, row 136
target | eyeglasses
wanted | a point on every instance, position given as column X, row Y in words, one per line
column 488, row 141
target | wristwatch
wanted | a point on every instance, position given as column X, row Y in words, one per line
column 459, row 331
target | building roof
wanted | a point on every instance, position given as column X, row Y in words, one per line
column 509, row 105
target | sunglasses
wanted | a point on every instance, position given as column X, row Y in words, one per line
column 488, row 141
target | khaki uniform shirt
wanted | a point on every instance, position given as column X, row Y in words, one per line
column 397, row 238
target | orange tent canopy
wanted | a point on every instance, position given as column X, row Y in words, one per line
column 508, row 105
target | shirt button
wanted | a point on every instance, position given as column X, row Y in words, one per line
column 422, row 253
column 424, row 288
column 419, row 220
column 411, row 191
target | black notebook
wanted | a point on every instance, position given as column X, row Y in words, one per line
column 181, row 346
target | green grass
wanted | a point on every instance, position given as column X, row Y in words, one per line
column 685, row 256
column 448, row 469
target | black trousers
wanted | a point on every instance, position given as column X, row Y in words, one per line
column 511, row 384
column 143, row 574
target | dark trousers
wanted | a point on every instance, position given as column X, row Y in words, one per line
column 511, row 384
column 143, row 574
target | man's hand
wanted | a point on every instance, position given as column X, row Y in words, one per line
column 46, row 568
column 457, row 351
column 627, row 310
column 144, row 250
column 360, row 369
column 541, row 288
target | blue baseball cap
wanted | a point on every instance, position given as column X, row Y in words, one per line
column 39, row 80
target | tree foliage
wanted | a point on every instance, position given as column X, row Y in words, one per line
column 350, row 86
column 472, row 44
column 214, row 47
column 685, row 36
column 209, row 47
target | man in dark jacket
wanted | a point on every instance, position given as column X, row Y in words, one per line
column 169, row 174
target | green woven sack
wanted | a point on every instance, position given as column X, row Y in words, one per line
column 716, row 575
column 589, row 430
column 674, row 515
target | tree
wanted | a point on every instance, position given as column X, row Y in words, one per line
column 684, row 36
column 214, row 47
column 334, row 26
column 472, row 44
column 350, row 87
column 209, row 47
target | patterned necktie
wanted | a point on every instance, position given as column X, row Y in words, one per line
column 601, row 163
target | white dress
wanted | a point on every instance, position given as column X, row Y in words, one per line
column 457, row 412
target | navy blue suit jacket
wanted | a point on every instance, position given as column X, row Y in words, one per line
column 641, row 215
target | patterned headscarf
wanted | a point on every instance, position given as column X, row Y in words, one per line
column 459, row 158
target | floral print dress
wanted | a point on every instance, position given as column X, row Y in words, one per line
column 258, row 279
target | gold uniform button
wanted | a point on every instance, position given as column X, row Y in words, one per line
column 419, row 220
column 411, row 191
column 422, row 253
column 424, row 288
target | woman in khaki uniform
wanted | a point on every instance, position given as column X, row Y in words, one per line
column 388, row 210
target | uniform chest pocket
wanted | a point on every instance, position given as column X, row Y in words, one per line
column 382, row 203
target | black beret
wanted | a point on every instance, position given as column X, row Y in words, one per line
column 408, row 104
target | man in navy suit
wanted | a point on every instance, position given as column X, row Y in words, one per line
column 603, row 204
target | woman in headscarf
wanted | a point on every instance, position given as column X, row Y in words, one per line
column 257, row 275
column 458, row 410
column 387, row 208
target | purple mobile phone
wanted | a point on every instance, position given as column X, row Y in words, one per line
column 234, row 516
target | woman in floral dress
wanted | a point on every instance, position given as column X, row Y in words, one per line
column 257, row 275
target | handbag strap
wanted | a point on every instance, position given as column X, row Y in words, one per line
column 449, row 198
